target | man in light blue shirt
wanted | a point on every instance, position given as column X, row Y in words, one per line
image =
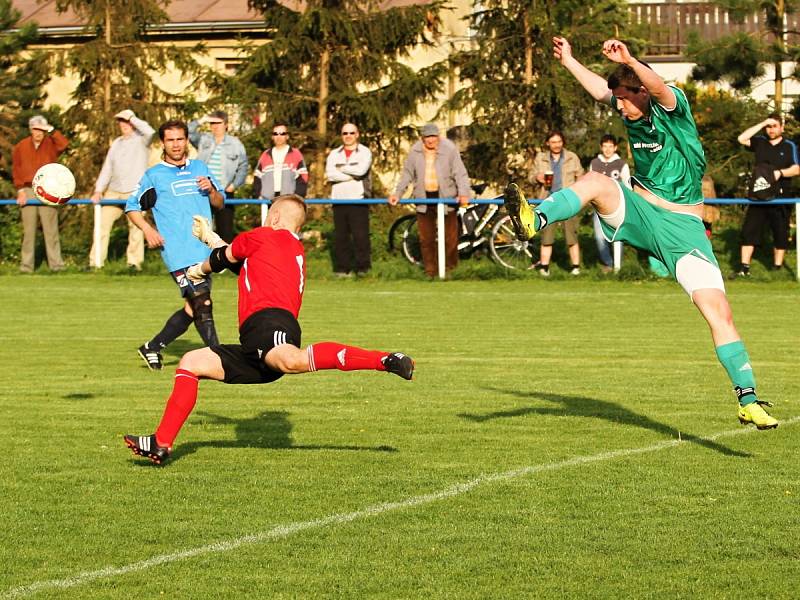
column 174, row 191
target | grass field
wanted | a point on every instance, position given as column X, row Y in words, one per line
column 560, row 439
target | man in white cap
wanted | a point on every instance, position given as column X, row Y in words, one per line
column 123, row 167
column 226, row 159
column 44, row 145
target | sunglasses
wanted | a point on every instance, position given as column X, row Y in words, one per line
column 349, row 132
column 280, row 133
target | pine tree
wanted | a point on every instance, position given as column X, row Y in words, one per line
column 115, row 72
column 21, row 81
column 516, row 91
column 333, row 61
column 739, row 58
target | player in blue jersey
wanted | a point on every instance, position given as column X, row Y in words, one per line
column 174, row 191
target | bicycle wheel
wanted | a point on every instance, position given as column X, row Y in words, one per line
column 395, row 237
column 410, row 237
column 506, row 249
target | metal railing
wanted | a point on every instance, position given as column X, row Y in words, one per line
column 440, row 206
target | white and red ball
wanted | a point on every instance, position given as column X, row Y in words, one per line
column 53, row 184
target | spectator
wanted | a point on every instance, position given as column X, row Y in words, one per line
column 174, row 191
column 553, row 170
column 125, row 163
column 44, row 145
column 281, row 169
column 781, row 156
column 434, row 167
column 609, row 163
column 348, row 170
column 226, row 159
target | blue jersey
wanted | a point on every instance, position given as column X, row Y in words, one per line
column 171, row 193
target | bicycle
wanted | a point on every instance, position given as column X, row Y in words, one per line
column 481, row 226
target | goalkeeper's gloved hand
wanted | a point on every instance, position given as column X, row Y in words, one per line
column 195, row 273
column 201, row 229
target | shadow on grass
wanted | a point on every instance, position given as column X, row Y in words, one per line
column 271, row 430
column 581, row 406
column 78, row 396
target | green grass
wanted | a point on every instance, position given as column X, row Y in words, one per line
column 512, row 374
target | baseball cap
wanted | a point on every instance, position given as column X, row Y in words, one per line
column 39, row 122
column 429, row 129
column 218, row 116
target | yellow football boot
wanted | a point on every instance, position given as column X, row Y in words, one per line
column 522, row 216
column 754, row 413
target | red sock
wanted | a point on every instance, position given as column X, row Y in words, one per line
column 333, row 355
column 179, row 407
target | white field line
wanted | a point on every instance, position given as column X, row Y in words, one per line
column 283, row 531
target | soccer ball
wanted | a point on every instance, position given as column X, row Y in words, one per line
column 53, row 184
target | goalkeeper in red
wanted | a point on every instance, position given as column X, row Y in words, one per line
column 270, row 261
column 662, row 214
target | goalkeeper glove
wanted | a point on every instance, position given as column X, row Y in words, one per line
column 195, row 273
column 201, row 229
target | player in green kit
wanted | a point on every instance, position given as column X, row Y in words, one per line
column 662, row 214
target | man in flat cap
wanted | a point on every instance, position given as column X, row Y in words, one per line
column 226, row 159
column 435, row 169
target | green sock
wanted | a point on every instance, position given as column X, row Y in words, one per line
column 734, row 358
column 559, row 206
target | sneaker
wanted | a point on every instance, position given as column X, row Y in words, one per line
column 754, row 413
column 522, row 216
column 399, row 364
column 153, row 359
column 146, row 446
column 575, row 271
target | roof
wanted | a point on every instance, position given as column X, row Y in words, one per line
column 179, row 11
column 183, row 15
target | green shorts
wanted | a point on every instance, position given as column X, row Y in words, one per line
column 667, row 235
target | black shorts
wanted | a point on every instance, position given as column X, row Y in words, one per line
column 260, row 333
column 757, row 217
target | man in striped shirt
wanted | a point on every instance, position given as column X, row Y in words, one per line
column 227, row 161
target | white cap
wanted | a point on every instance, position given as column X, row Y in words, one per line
column 39, row 122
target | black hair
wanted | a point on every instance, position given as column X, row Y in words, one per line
column 173, row 124
column 609, row 138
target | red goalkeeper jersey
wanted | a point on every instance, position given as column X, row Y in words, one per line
column 273, row 272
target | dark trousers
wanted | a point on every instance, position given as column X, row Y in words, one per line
column 223, row 220
column 426, row 223
column 351, row 246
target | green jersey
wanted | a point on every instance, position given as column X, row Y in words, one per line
column 667, row 152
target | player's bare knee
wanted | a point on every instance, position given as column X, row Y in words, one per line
column 193, row 361
column 287, row 359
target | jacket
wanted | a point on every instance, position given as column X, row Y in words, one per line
column 350, row 175
column 126, row 160
column 26, row 158
column 450, row 173
column 234, row 156
column 571, row 169
column 294, row 175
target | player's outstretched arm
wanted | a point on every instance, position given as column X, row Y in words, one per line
column 618, row 52
column 221, row 258
column 591, row 81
